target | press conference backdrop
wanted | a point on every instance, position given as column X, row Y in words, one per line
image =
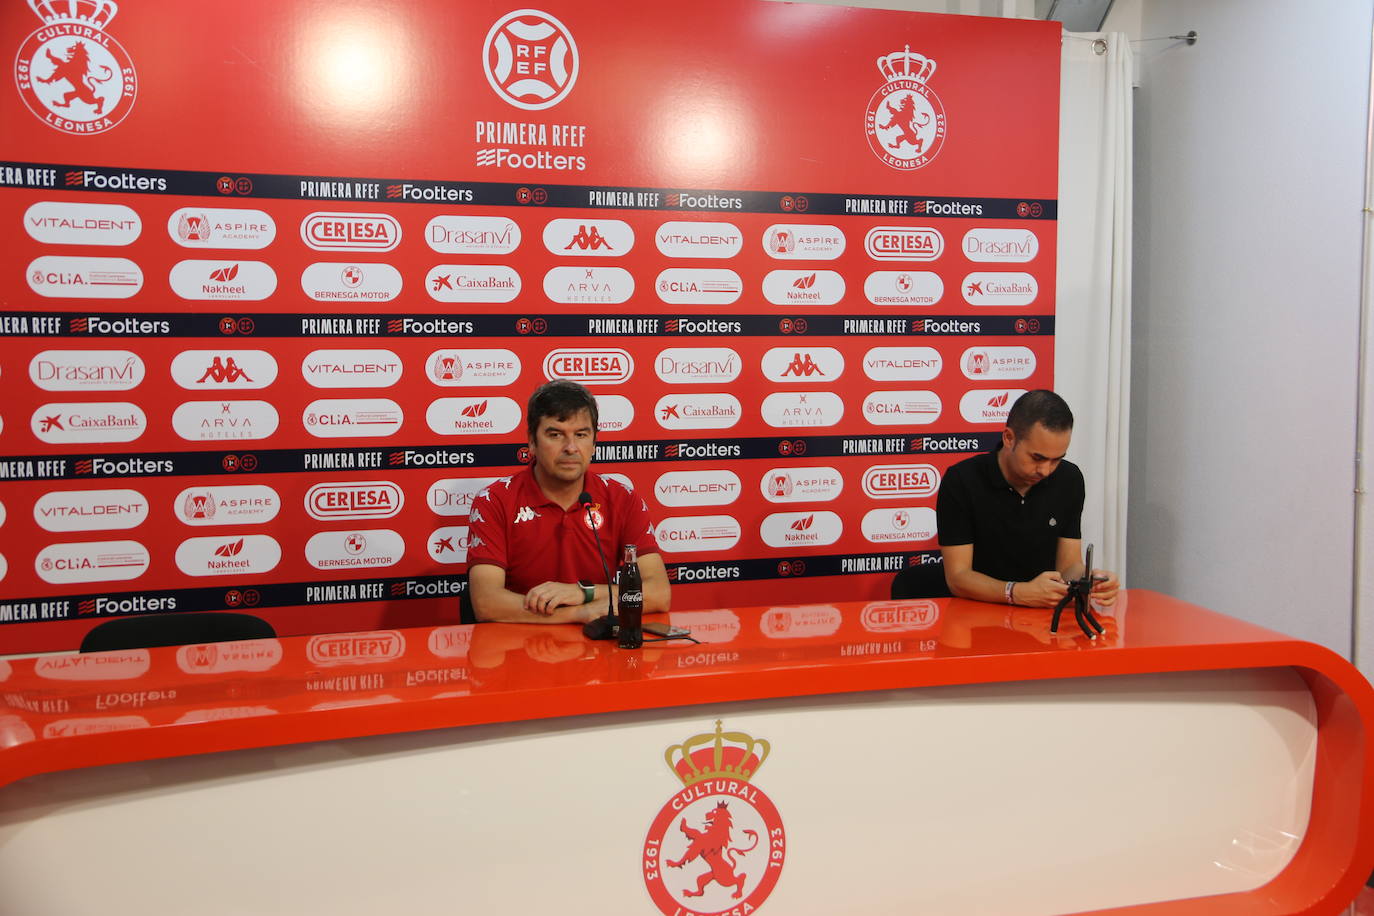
column 280, row 277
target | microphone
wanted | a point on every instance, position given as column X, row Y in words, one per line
column 601, row 627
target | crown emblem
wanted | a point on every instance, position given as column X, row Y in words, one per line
column 905, row 64
column 721, row 754
column 95, row 13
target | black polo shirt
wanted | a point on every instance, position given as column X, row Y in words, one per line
column 1014, row 537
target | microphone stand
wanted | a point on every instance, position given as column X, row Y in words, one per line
column 602, row 627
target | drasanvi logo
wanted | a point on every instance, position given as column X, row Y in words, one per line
column 354, row 499
column 248, row 504
column 201, row 227
column 86, row 370
column 615, row 413
column 226, row 657
column 899, row 616
column 472, row 283
column 681, row 239
column 54, row 222
column 903, row 364
column 72, row 74
column 802, row 364
column 453, row 234
column 344, row 281
column 811, row 528
column 905, row 120
column 903, row 287
column 798, row 242
column 1016, row 246
column 202, row 369
column 988, row 405
column 472, row 368
column 351, row 368
column 697, row 488
column 63, row 277
column 901, row 481
column 530, row 59
column 904, row 243
column 113, row 421
column 803, row 287
column 332, row 649
column 206, row 421
column 91, row 561
column 801, row 485
column 805, row 622
column 698, row 286
column 448, row 544
column 588, row 238
column 454, row 495
column 692, row 533
column 901, row 408
column 997, row 362
column 90, row 510
column 905, row 523
column 697, row 365
column 372, row 548
column 697, row 411
column 988, row 288
column 606, row 285
column 228, row 555
column 351, row 231
column 116, row 665
column 338, row 418
column 472, row 416
column 783, row 409
column 223, row 280
column 604, row 366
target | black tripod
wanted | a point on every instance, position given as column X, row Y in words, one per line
column 1079, row 591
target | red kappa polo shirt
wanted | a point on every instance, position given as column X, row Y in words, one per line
column 515, row 526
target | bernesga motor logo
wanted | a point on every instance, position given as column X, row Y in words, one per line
column 905, row 120
column 717, row 847
column 70, row 73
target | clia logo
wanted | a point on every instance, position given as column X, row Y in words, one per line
column 718, row 845
column 905, row 120
column 71, row 74
column 530, row 59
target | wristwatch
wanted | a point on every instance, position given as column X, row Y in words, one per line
column 588, row 591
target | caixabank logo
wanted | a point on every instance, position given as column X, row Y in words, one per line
column 71, row 74
column 718, row 845
column 905, row 120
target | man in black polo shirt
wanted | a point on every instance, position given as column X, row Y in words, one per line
column 1009, row 519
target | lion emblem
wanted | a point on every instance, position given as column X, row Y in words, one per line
column 76, row 68
column 907, row 121
column 712, row 846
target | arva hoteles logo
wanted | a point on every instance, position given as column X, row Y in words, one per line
column 70, row 73
column 905, row 120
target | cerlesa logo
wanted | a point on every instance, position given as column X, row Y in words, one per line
column 905, row 120
column 71, row 74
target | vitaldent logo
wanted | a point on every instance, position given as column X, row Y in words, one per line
column 90, row 510
column 228, row 555
column 354, row 500
column 999, row 289
column 351, row 231
column 903, row 243
column 472, row 368
column 351, row 368
column 86, row 370
column 206, row 421
column 590, row 366
column 697, row 488
column 588, row 238
column 216, row 369
column 899, row 408
column 452, row 234
column 341, row 281
column 60, row 424
column 903, row 287
column 997, row 362
column 801, row 485
column 906, row 523
column 811, row 528
column 698, row 286
column 62, row 277
column 337, row 418
column 373, row 548
column 697, row 411
column 697, row 365
column 249, row 504
column 63, row 223
column 797, row 242
column 783, row 409
column 486, row 416
column 91, row 561
column 198, row 227
column 902, row 364
column 472, row 283
column 989, row 405
column 679, row 239
column 606, row 285
column 689, row 534
column 813, row 364
column 454, row 495
column 901, row 481
column 223, row 280
column 803, row 287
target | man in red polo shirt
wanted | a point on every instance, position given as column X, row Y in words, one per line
column 532, row 554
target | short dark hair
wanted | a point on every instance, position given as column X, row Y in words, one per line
column 560, row 399
column 1040, row 406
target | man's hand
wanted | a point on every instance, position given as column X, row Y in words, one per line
column 548, row 597
column 1044, row 590
column 1104, row 593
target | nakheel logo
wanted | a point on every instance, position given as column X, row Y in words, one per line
column 902, row 364
column 899, row 408
column 472, row 234
column 997, row 362
column 252, row 504
column 341, row 281
column 354, row 500
column 355, row 648
column 783, row 409
column 62, row 223
column 61, row 424
column 905, row 120
column 530, row 59
column 988, row 405
column 903, row 243
column 228, row 555
column 814, row 364
column 901, row 481
column 1015, row 246
column 588, row 238
column 697, row 488
column 217, row 369
column 697, row 365
column 351, row 368
column 903, row 287
column 454, row 495
column 351, row 231
column 90, row 510
column 91, row 561
column 61, row 277
column 488, row 416
column 86, row 370
column 1004, row 289
column 801, row 529
column 352, row 417
column 590, row 367
column 899, row 616
column 698, row 286
column 607, row 285
column 689, row 534
column 224, row 657
column 73, row 75
column 212, row 421
column 803, row 287
column 800, row 622
column 223, row 280
column 697, row 411
column 718, row 845
column 615, row 413
column 449, row 544
column 907, row 523
column 197, row 227
column 680, row 239
column 472, row 283
column 801, row 485
column 370, row 549
column 472, row 368
column 788, row 242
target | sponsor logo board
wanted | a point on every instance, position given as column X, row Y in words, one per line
column 86, row 370
column 798, row 242
column 113, row 421
column 371, row 548
column 351, row 368
column 903, row 287
column 697, row 411
column 697, row 365
column 337, row 418
column 811, row 528
column 698, row 286
column 248, row 504
column 205, row 421
column 54, row 222
column 92, row 561
column 354, row 499
column 681, row 239
column 697, row 488
column 90, row 510
column 903, row 364
column 809, row 364
column 689, row 534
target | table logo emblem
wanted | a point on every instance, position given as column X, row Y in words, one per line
column 905, row 120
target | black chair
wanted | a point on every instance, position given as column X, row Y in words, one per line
column 924, row 581
column 145, row 632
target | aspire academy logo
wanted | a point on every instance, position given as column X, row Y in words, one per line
column 905, row 120
column 718, row 845
column 530, row 59
column 72, row 75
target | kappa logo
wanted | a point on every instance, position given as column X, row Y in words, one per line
column 525, row 514
column 71, row 74
column 905, row 120
column 530, row 59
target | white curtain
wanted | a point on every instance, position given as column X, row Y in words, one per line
column 1093, row 312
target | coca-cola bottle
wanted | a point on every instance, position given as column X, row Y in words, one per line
column 630, row 607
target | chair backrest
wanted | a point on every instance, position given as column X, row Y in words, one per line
column 188, row 628
column 924, row 581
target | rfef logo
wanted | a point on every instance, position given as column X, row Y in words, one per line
column 71, row 74
column 905, row 120
column 530, row 59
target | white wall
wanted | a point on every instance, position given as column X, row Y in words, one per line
column 1248, row 195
